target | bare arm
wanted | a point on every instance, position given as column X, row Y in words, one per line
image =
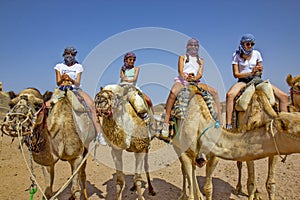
column 180, row 67
column 200, row 72
column 64, row 77
column 134, row 79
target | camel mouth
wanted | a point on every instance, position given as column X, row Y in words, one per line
column 17, row 124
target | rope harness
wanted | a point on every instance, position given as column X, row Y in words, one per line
column 292, row 93
column 31, row 117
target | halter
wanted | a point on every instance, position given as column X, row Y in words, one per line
column 293, row 92
column 10, row 118
column 107, row 111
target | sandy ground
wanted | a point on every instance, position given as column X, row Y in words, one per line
column 166, row 176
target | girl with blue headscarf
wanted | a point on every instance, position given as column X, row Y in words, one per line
column 246, row 65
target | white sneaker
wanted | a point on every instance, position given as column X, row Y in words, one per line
column 101, row 139
column 165, row 130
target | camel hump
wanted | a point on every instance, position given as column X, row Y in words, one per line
column 115, row 88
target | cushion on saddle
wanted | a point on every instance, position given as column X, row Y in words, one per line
column 244, row 100
column 266, row 87
column 76, row 104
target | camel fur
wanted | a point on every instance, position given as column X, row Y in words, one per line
column 294, row 83
column 52, row 138
column 117, row 107
column 282, row 129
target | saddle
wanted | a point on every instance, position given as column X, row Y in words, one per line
column 245, row 96
column 263, row 105
column 81, row 113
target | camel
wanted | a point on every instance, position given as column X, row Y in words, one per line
column 50, row 138
column 294, row 83
column 268, row 134
column 118, row 107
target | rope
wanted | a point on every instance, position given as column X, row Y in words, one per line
column 276, row 147
column 33, row 178
column 206, row 129
column 29, row 169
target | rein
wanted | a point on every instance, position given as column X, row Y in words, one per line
column 275, row 143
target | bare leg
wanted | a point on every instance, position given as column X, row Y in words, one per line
column 282, row 97
column 96, row 123
column 231, row 94
column 171, row 100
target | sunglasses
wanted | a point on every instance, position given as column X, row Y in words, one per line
column 69, row 53
column 248, row 44
column 131, row 59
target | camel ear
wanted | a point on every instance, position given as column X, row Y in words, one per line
column 47, row 96
column 289, row 80
column 14, row 101
column 283, row 122
column 12, row 95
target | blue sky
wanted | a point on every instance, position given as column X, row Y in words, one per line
column 34, row 33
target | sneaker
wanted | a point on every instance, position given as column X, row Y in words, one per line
column 228, row 126
column 101, row 139
column 146, row 119
column 165, row 130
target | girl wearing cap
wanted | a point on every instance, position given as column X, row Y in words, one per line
column 246, row 64
column 129, row 75
column 190, row 68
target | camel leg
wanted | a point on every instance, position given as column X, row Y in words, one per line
column 120, row 182
column 251, row 184
column 183, row 195
column 197, row 191
column 210, row 167
column 146, row 167
column 75, row 189
column 150, row 187
column 49, row 177
column 139, row 158
column 83, row 178
column 270, row 184
column 188, row 169
column 238, row 188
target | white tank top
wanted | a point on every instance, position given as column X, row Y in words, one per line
column 192, row 66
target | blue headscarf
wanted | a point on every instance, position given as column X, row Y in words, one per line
column 245, row 38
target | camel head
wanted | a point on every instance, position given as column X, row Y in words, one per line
column 294, row 91
column 104, row 102
column 23, row 110
column 289, row 123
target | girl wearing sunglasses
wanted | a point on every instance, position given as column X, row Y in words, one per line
column 246, row 65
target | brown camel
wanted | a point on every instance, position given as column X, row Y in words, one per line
column 50, row 138
column 246, row 121
column 124, row 129
column 268, row 135
column 294, row 83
